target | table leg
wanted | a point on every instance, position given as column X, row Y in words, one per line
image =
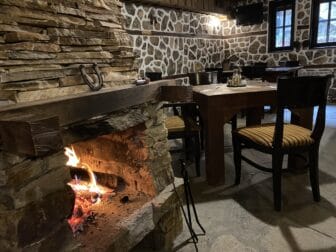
column 214, row 151
column 214, row 144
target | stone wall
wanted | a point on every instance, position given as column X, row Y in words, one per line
column 43, row 42
column 171, row 41
column 246, row 44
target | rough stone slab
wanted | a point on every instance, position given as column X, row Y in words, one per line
column 101, row 7
column 67, row 10
column 28, row 170
column 20, row 36
column 27, row 55
column 118, row 69
column 36, row 189
column 85, row 55
column 76, row 33
column 8, row 95
column 118, row 48
column 143, row 221
column 3, row 55
column 109, row 24
column 71, row 81
column 35, row 22
column 167, row 229
column 51, row 93
column 9, row 159
column 9, row 28
column 156, row 134
column 54, row 61
column 29, row 68
column 45, row 216
column 31, row 85
column 90, row 41
column 106, row 17
column 119, row 76
column 31, row 75
column 30, row 46
column 60, row 19
column 82, row 49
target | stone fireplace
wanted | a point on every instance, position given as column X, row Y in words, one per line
column 127, row 151
column 118, row 132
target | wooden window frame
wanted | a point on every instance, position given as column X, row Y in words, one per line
column 274, row 6
column 315, row 11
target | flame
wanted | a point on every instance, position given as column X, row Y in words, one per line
column 87, row 193
column 73, row 159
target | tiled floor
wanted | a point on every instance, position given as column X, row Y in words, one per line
column 241, row 218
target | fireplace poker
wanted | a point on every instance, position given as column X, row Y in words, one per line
column 189, row 201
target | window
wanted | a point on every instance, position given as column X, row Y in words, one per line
column 323, row 27
column 281, row 25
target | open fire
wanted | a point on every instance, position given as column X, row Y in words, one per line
column 88, row 193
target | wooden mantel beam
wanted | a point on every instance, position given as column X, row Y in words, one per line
column 34, row 128
column 75, row 108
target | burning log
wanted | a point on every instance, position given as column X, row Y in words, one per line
column 87, row 195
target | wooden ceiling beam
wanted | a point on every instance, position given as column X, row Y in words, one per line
column 200, row 6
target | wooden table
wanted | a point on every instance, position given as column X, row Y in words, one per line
column 218, row 104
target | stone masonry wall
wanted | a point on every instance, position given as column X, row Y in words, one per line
column 172, row 41
column 43, row 42
column 246, row 44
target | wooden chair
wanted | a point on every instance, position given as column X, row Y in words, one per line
column 280, row 139
column 257, row 70
column 183, row 126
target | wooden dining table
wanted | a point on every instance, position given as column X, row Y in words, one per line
column 219, row 103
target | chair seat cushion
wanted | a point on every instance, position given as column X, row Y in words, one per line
column 174, row 123
column 294, row 136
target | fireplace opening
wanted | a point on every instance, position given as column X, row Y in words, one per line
column 111, row 179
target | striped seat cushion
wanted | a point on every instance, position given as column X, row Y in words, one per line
column 294, row 136
column 174, row 124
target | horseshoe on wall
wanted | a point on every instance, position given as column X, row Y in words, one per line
column 94, row 86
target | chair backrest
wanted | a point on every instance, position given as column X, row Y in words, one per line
column 154, row 76
column 301, row 92
column 200, row 78
column 292, row 63
column 255, row 71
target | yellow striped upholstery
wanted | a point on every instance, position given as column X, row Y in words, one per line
column 294, row 136
column 175, row 123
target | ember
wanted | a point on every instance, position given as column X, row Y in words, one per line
column 87, row 195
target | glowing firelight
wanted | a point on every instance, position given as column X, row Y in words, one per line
column 74, row 161
column 87, row 194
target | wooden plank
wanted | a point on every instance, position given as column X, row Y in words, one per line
column 211, row 5
column 206, row 5
column 176, row 93
column 80, row 107
column 31, row 135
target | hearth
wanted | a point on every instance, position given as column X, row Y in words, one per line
column 113, row 189
column 111, row 178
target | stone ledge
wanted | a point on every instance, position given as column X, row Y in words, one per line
column 143, row 221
